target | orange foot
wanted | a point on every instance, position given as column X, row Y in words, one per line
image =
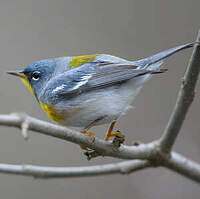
column 117, row 134
column 90, row 134
column 113, row 134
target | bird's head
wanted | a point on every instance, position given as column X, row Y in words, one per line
column 36, row 75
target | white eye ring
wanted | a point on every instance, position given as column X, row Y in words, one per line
column 35, row 76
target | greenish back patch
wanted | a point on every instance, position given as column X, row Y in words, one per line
column 80, row 60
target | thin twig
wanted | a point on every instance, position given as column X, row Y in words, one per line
column 184, row 100
column 125, row 167
column 184, row 166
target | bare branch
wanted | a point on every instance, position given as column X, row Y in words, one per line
column 125, row 167
column 148, row 154
column 184, row 166
column 184, row 100
column 142, row 151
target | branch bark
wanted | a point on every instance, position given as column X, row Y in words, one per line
column 184, row 100
column 184, row 166
column 149, row 154
column 125, row 167
column 143, row 151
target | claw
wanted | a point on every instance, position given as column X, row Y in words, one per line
column 90, row 134
column 91, row 154
column 118, row 137
column 118, row 140
column 113, row 134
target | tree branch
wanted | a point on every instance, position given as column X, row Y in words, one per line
column 142, row 151
column 149, row 154
column 184, row 100
column 125, row 167
column 184, row 166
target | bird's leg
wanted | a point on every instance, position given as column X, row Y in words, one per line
column 85, row 132
column 90, row 134
column 117, row 141
column 110, row 133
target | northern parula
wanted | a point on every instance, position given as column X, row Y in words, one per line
column 89, row 90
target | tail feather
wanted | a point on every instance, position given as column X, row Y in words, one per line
column 158, row 71
column 158, row 58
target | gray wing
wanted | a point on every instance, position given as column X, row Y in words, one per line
column 112, row 74
column 102, row 75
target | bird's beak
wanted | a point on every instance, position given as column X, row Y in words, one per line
column 18, row 73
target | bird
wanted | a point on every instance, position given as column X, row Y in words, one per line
column 88, row 90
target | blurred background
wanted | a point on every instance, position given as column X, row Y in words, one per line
column 31, row 30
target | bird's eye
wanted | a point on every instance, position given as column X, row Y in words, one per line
column 36, row 75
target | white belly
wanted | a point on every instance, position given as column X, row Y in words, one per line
column 109, row 104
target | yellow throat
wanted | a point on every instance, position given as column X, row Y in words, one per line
column 25, row 81
column 48, row 109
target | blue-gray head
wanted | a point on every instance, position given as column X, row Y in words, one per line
column 36, row 75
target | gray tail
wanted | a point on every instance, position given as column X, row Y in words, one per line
column 157, row 58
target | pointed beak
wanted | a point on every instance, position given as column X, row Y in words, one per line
column 18, row 73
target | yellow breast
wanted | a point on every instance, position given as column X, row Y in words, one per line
column 55, row 115
column 49, row 109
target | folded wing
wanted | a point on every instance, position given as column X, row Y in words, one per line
column 103, row 75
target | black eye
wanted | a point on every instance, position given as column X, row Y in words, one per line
column 36, row 75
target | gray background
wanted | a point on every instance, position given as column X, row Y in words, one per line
column 37, row 29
